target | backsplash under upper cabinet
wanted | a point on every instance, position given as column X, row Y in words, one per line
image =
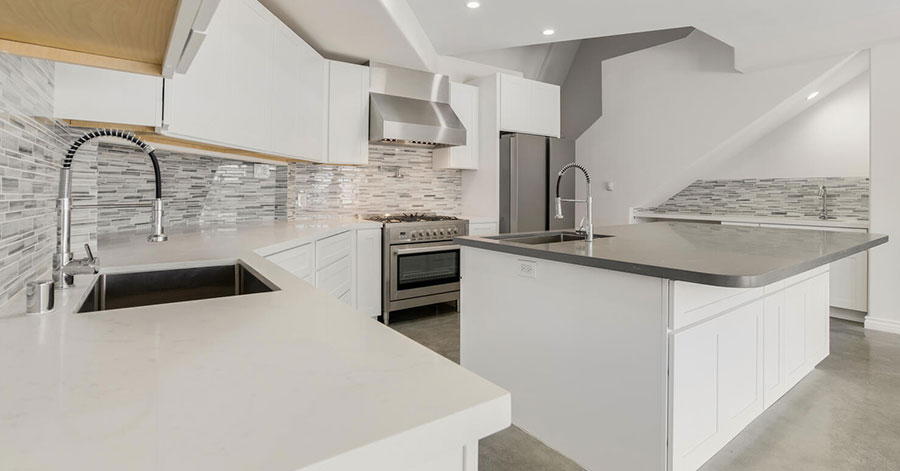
column 31, row 146
column 848, row 198
column 395, row 180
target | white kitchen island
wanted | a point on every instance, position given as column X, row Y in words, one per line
column 650, row 349
column 292, row 379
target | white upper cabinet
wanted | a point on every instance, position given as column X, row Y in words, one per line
column 196, row 104
column 298, row 93
column 109, row 96
column 348, row 113
column 464, row 101
column 254, row 85
column 250, row 56
column 529, row 106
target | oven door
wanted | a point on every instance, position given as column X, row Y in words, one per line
column 424, row 269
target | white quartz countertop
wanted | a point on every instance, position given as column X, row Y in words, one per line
column 754, row 219
column 287, row 380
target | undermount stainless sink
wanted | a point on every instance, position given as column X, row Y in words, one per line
column 548, row 238
column 145, row 288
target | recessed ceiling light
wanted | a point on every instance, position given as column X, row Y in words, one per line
column 473, row 4
column 549, row 32
column 812, row 95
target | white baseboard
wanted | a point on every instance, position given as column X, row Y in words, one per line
column 883, row 325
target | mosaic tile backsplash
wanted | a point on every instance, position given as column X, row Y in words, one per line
column 196, row 189
column 848, row 198
column 30, row 153
column 396, row 180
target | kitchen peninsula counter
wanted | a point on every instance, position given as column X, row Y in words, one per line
column 286, row 380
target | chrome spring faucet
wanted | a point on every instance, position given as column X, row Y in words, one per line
column 823, row 192
column 65, row 267
column 587, row 229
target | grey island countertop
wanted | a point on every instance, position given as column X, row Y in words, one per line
column 710, row 254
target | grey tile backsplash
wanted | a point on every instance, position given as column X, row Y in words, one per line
column 396, row 180
column 196, row 188
column 848, row 198
column 30, row 152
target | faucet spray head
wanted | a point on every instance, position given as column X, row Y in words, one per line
column 559, row 213
column 159, row 234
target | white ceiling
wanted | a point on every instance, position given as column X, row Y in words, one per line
column 812, row 28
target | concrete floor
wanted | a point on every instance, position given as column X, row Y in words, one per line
column 844, row 416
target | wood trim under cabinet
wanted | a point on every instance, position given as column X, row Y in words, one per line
column 149, row 134
column 80, row 58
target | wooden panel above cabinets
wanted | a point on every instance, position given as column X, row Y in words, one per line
column 127, row 35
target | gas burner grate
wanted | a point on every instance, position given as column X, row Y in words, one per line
column 410, row 217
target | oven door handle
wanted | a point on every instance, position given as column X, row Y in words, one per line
column 434, row 248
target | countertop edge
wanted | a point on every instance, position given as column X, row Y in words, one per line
column 712, row 279
column 787, row 221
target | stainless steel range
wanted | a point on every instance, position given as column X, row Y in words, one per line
column 420, row 262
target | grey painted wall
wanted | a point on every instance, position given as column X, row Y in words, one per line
column 581, row 95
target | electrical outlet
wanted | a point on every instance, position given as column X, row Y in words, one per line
column 527, row 268
column 261, row 171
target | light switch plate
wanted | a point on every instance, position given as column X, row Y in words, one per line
column 527, row 268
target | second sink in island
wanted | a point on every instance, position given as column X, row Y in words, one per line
column 655, row 346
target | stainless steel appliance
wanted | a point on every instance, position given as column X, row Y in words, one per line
column 528, row 173
column 420, row 262
column 412, row 108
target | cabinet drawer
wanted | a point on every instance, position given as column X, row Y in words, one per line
column 337, row 278
column 332, row 249
column 297, row 260
column 692, row 302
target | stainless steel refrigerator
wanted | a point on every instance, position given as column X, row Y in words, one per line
column 528, row 168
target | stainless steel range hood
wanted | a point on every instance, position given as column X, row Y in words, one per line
column 411, row 108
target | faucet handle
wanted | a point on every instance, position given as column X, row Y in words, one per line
column 582, row 228
column 90, row 255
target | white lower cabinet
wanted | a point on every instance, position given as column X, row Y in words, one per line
column 716, row 383
column 726, row 369
column 336, row 279
column 368, row 272
column 346, row 265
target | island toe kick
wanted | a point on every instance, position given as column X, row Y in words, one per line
column 624, row 371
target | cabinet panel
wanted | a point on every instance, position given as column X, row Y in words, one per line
column 336, row 279
column 717, row 383
column 348, row 113
column 330, row 249
column 515, row 104
column 313, row 90
column 545, row 97
column 107, row 96
column 196, row 103
column 298, row 260
column 250, row 39
column 849, row 282
column 464, row 101
column 285, row 114
column 368, row 271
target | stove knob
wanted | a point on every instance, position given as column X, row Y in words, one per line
column 413, row 234
column 455, row 230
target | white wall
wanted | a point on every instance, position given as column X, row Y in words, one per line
column 667, row 109
column 884, row 261
column 829, row 139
